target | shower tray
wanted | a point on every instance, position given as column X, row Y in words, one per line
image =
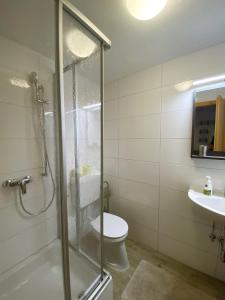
column 42, row 272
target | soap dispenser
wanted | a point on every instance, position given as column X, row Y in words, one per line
column 208, row 189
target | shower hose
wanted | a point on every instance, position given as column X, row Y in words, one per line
column 47, row 164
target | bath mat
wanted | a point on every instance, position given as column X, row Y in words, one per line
column 154, row 283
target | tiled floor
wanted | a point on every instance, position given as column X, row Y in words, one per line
column 196, row 279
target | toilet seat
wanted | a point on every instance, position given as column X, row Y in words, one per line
column 114, row 226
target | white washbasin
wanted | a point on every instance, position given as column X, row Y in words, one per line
column 215, row 204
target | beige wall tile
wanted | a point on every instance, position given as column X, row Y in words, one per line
column 154, row 126
column 140, row 149
column 146, row 127
column 139, row 192
column 140, row 81
column 187, row 254
column 140, row 104
column 139, row 171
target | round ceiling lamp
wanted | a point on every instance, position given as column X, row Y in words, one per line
column 145, row 9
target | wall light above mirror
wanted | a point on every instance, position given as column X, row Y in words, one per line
column 189, row 84
column 208, row 127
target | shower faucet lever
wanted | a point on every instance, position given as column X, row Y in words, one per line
column 21, row 182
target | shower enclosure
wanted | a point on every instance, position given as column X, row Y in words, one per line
column 80, row 71
column 56, row 191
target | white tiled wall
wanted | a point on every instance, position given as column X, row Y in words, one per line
column 148, row 163
column 20, row 155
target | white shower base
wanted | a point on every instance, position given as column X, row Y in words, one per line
column 40, row 276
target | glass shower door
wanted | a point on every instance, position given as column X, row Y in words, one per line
column 82, row 114
column 81, row 72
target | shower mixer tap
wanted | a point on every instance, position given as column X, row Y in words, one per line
column 21, row 182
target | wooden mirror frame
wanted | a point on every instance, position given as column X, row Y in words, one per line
column 220, row 113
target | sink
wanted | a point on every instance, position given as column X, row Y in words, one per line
column 215, row 204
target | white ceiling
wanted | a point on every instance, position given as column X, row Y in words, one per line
column 30, row 23
column 184, row 26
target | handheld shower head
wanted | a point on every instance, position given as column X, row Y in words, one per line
column 34, row 78
column 38, row 89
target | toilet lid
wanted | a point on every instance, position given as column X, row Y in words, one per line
column 114, row 226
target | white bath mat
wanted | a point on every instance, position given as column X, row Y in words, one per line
column 154, row 283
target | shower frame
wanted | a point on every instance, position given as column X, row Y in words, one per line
column 64, row 5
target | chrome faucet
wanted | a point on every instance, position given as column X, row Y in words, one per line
column 21, row 182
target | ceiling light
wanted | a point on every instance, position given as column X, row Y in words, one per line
column 145, row 9
column 79, row 43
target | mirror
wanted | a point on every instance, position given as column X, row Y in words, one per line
column 208, row 128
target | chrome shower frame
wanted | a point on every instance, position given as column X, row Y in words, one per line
column 63, row 5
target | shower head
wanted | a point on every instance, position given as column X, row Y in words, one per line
column 38, row 88
column 34, row 78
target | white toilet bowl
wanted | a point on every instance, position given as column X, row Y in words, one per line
column 114, row 235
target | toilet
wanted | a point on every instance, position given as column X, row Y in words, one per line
column 114, row 235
